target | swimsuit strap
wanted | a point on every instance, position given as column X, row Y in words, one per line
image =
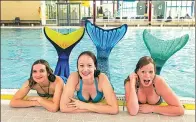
column 80, row 82
column 96, row 84
column 154, row 85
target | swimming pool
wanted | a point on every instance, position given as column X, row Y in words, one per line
column 20, row 47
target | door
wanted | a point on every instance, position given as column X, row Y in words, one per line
column 68, row 14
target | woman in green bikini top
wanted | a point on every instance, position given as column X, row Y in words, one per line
column 144, row 91
column 45, row 83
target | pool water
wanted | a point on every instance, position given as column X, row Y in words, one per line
column 20, row 47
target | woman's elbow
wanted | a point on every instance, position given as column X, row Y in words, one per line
column 181, row 111
column 55, row 109
column 12, row 104
column 132, row 111
column 115, row 110
column 63, row 109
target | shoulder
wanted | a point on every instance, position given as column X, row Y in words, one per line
column 103, row 79
column 160, row 83
column 59, row 80
column 26, row 85
column 103, row 76
column 74, row 74
column 159, row 80
column 73, row 78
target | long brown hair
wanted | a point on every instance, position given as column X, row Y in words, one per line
column 51, row 76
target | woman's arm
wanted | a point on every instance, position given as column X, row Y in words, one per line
column 68, row 92
column 174, row 107
column 18, row 98
column 54, row 104
column 111, row 106
column 131, row 96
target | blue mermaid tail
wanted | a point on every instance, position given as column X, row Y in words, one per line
column 104, row 41
column 162, row 50
column 63, row 44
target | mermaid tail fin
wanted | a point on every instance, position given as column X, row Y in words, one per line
column 104, row 41
column 162, row 50
column 63, row 44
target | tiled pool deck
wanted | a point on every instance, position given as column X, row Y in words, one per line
column 39, row 114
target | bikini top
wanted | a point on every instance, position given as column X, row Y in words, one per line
column 160, row 99
column 96, row 99
column 46, row 94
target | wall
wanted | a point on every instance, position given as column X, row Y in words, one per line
column 26, row 10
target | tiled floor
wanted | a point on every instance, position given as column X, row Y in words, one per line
column 38, row 114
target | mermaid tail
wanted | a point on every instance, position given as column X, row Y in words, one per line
column 162, row 50
column 63, row 44
column 104, row 41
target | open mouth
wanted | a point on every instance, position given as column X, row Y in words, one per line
column 146, row 82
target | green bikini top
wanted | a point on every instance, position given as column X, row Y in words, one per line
column 46, row 94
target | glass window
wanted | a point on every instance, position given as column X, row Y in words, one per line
column 169, row 3
column 189, row 3
column 174, row 3
column 179, row 3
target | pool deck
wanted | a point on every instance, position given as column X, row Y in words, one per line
column 39, row 114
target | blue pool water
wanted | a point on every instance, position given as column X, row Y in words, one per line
column 20, row 47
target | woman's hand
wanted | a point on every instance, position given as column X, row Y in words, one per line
column 76, row 103
column 145, row 108
column 36, row 99
column 133, row 77
column 33, row 98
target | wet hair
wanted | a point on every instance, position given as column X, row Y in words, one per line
column 51, row 76
column 92, row 55
column 143, row 62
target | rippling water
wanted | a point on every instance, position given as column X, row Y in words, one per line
column 21, row 47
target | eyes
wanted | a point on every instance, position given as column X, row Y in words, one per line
column 150, row 72
column 88, row 65
column 41, row 71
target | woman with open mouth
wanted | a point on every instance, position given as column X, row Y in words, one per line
column 145, row 91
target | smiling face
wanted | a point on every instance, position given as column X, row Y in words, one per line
column 39, row 73
column 146, row 74
column 86, row 67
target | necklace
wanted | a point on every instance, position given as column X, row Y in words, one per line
column 48, row 93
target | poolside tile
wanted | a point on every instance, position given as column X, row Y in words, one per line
column 172, row 119
column 45, row 120
column 189, row 118
column 20, row 119
column 3, row 112
column 69, row 120
column 39, row 114
column 5, row 118
column 59, row 115
column 15, row 113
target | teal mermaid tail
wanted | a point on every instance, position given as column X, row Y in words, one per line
column 162, row 50
column 104, row 41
